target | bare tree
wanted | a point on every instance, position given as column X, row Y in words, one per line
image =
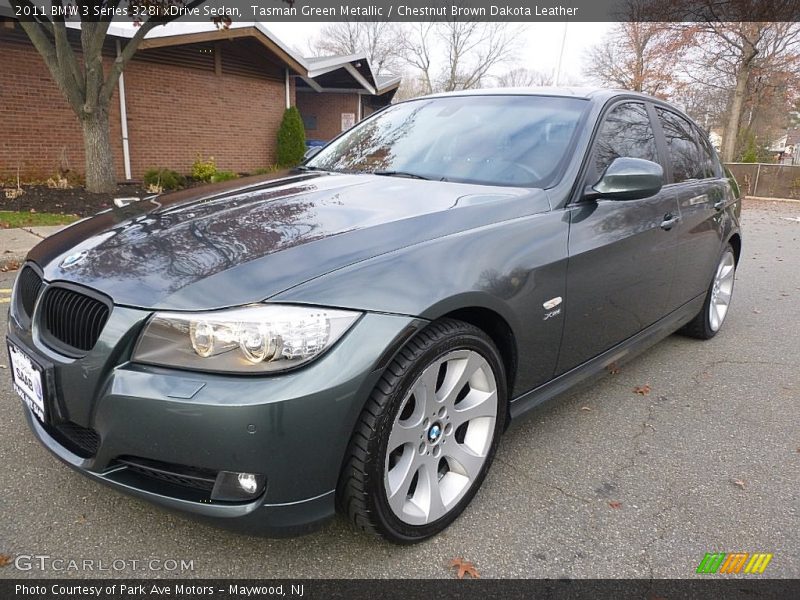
column 381, row 41
column 639, row 56
column 417, row 49
column 469, row 51
column 751, row 60
column 80, row 73
column 412, row 85
column 706, row 105
column 473, row 49
column 521, row 77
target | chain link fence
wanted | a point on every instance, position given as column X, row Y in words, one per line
column 767, row 180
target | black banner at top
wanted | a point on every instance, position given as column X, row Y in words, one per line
column 405, row 10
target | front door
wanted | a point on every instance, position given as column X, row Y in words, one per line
column 621, row 252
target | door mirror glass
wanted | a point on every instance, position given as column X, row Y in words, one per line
column 628, row 179
column 311, row 152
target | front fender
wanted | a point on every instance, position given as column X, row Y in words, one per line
column 511, row 268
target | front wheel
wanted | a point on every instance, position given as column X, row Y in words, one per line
column 718, row 299
column 427, row 436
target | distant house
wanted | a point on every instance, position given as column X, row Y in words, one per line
column 791, row 150
column 215, row 92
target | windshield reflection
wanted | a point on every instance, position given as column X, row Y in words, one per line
column 492, row 140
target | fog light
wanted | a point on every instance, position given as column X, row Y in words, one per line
column 248, row 482
column 231, row 486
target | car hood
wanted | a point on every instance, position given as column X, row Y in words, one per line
column 246, row 241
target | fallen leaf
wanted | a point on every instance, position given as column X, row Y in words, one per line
column 5, row 559
column 615, row 504
column 755, row 310
column 81, row 519
column 464, row 568
column 613, row 369
column 642, row 390
column 586, row 408
column 738, row 482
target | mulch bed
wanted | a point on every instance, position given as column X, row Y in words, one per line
column 73, row 201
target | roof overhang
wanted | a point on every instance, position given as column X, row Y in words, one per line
column 347, row 73
column 233, row 33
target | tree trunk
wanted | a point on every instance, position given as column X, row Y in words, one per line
column 735, row 115
column 100, row 175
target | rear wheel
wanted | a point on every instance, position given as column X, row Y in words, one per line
column 427, row 435
column 718, row 299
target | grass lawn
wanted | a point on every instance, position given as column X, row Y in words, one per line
column 10, row 219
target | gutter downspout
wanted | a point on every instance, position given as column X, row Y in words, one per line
column 288, row 94
column 123, row 118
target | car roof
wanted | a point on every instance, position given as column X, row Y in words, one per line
column 594, row 94
column 586, row 93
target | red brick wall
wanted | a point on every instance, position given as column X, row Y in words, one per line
column 174, row 113
column 327, row 107
column 38, row 130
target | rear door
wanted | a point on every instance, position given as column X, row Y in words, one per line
column 701, row 190
column 621, row 253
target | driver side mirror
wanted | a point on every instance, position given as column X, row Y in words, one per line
column 627, row 179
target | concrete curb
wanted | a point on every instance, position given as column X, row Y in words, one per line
column 767, row 198
column 16, row 243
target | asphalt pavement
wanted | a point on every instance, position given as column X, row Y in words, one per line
column 602, row 482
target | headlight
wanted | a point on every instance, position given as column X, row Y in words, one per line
column 253, row 339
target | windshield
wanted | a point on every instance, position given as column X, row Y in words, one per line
column 492, row 140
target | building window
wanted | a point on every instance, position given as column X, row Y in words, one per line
column 310, row 122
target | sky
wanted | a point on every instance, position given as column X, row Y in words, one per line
column 540, row 44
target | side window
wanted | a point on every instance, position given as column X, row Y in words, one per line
column 625, row 132
column 684, row 152
column 711, row 164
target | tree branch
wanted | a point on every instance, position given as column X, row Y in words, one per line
column 47, row 49
column 64, row 53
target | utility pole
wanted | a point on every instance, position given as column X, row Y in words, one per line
column 561, row 55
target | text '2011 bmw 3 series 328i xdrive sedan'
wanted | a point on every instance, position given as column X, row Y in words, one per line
column 358, row 333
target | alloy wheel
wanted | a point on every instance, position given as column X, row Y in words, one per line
column 721, row 291
column 441, row 437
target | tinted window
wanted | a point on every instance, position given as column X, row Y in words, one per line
column 625, row 132
column 684, row 152
column 711, row 164
column 495, row 140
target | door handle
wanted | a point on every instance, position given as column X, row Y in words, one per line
column 669, row 221
column 719, row 205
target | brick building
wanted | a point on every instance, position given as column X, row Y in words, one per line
column 217, row 93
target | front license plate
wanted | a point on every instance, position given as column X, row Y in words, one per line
column 28, row 379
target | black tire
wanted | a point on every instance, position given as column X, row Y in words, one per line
column 361, row 494
column 700, row 326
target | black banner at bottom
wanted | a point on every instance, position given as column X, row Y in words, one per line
column 397, row 589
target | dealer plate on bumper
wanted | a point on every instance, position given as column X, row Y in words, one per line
column 28, row 379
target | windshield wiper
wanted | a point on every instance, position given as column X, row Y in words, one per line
column 400, row 174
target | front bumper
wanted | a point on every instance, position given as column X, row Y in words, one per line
column 292, row 427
